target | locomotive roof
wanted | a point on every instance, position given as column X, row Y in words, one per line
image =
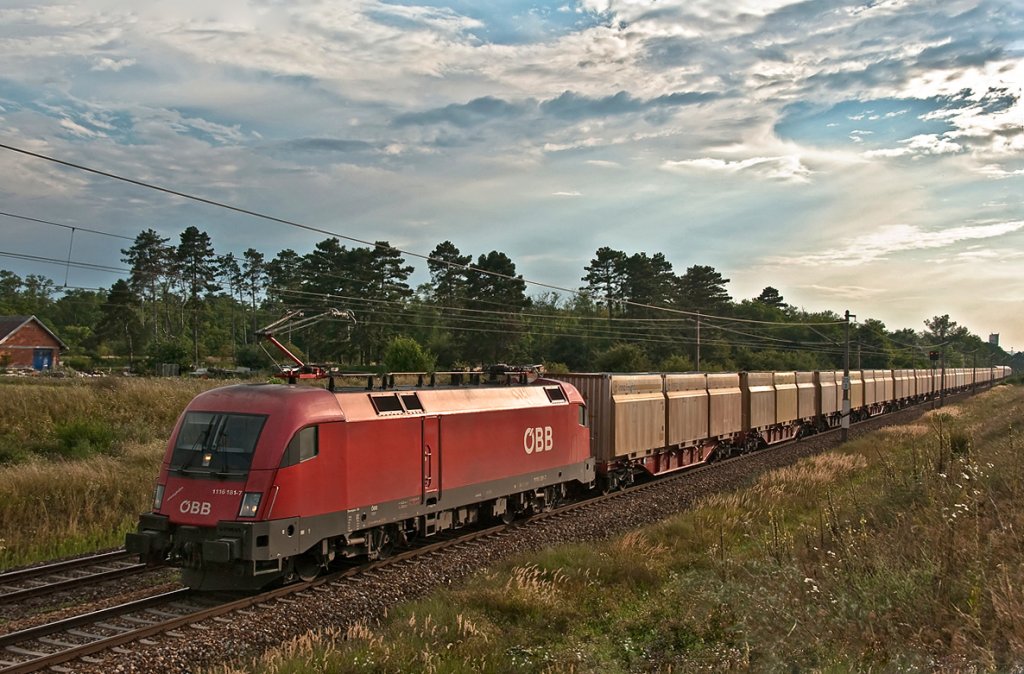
column 315, row 404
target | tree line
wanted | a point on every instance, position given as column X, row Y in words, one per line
column 184, row 303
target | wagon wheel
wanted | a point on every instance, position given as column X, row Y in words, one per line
column 610, row 483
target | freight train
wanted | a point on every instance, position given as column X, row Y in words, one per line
column 264, row 483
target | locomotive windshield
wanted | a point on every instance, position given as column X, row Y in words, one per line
column 216, row 444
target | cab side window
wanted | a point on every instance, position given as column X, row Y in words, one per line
column 583, row 415
column 303, row 446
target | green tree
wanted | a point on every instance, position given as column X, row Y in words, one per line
column 702, row 288
column 230, row 275
column 449, row 270
column 151, row 260
column 75, row 314
column 771, row 297
column 120, row 319
column 404, row 354
column 606, row 276
column 622, row 357
column 872, row 344
column 284, row 275
column 254, row 279
column 198, row 265
column 494, row 286
column 648, row 280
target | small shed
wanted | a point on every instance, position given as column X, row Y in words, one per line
column 26, row 343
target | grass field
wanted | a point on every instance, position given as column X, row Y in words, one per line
column 78, row 460
column 902, row 551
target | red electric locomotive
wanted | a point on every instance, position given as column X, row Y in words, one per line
column 264, row 482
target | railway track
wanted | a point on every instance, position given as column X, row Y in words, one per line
column 84, row 637
column 38, row 581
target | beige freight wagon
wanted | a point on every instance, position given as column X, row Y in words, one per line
column 725, row 405
column 806, row 406
column 627, row 413
column 687, row 399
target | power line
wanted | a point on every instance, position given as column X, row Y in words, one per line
column 71, row 227
column 310, row 228
column 63, row 263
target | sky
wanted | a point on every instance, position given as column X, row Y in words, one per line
column 862, row 155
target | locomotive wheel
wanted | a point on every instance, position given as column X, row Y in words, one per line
column 307, row 567
column 383, row 542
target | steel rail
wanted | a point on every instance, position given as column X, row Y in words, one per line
column 40, row 585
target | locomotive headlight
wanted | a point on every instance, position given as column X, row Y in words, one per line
column 158, row 497
column 250, row 502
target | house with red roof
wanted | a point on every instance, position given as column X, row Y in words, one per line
column 25, row 343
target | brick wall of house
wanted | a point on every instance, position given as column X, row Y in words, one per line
column 19, row 348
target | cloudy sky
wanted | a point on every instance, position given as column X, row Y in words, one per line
column 863, row 155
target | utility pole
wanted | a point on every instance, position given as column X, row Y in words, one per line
column 974, row 374
column 942, row 377
column 698, row 341
column 844, row 434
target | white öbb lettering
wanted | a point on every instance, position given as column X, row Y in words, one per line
column 195, row 507
column 538, row 439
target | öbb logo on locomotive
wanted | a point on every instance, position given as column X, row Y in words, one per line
column 538, row 439
column 279, row 481
column 195, row 507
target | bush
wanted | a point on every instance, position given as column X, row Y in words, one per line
column 404, row 354
column 83, row 437
column 676, row 363
column 79, row 363
column 252, row 357
column 173, row 352
column 556, row 368
column 623, row 357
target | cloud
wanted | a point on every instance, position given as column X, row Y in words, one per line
column 784, row 169
column 568, row 106
column 78, row 129
column 891, row 239
column 844, row 292
column 113, row 65
column 328, row 145
column 567, row 194
column 477, row 111
column 924, row 144
column 998, row 172
column 571, row 105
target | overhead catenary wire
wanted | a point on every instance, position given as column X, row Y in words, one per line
column 69, row 261
column 320, row 230
column 371, row 314
column 58, row 224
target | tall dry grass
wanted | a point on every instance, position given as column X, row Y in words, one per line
column 32, row 412
column 51, row 509
column 52, row 504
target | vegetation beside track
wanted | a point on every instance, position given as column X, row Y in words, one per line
column 899, row 551
column 78, row 460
